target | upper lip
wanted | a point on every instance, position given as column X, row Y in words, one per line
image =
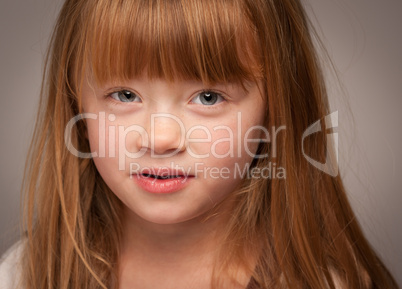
column 163, row 172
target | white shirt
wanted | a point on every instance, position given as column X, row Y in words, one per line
column 10, row 267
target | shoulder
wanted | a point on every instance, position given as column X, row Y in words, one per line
column 10, row 267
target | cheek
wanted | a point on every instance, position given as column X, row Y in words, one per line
column 212, row 141
column 252, row 133
column 237, row 139
column 101, row 136
column 93, row 134
column 104, row 144
column 111, row 137
column 224, row 142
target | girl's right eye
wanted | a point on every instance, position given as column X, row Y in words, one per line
column 125, row 96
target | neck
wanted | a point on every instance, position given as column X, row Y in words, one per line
column 182, row 252
column 181, row 239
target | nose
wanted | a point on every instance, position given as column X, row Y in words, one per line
column 166, row 135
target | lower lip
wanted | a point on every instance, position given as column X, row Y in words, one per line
column 161, row 186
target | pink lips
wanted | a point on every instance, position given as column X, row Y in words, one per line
column 162, row 183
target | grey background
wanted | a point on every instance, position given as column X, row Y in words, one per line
column 363, row 38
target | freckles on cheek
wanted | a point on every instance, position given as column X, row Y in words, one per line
column 223, row 145
column 231, row 139
column 225, row 139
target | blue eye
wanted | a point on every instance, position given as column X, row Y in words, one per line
column 207, row 98
column 125, row 96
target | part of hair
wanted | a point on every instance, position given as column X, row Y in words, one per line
column 301, row 229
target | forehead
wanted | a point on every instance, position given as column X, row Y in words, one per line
column 207, row 40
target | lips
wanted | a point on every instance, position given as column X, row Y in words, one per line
column 162, row 181
column 163, row 177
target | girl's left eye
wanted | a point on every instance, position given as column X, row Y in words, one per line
column 125, row 96
column 208, row 98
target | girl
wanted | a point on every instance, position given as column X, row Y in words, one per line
column 171, row 152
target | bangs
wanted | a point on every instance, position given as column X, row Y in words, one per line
column 207, row 40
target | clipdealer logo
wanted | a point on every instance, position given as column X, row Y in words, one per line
column 330, row 166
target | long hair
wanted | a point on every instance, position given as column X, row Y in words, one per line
column 300, row 228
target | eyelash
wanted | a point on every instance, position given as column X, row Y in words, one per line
column 207, row 91
column 124, row 92
column 114, row 96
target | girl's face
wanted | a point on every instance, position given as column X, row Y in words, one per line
column 171, row 151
